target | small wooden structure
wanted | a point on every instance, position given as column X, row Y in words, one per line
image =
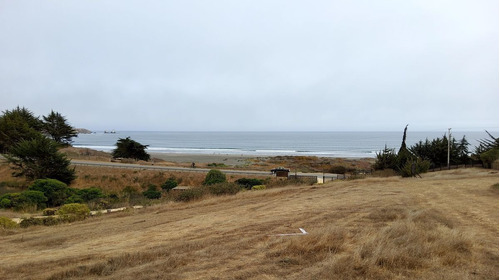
column 280, row 172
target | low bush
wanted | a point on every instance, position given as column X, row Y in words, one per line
column 152, row 192
column 55, row 191
column 213, row 164
column 259, row 187
column 27, row 200
column 248, row 183
column 73, row 212
column 5, row 202
column 223, row 188
column 414, row 168
column 169, row 184
column 190, row 194
column 49, row 211
column 34, row 198
column 47, row 221
column 7, row 223
column 214, row 176
column 91, row 193
column 338, row 169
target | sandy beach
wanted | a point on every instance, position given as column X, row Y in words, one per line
column 204, row 158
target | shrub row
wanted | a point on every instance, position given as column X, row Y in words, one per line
column 48, row 192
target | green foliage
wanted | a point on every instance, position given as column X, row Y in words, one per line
column 487, row 144
column 33, row 198
column 259, row 187
column 7, row 223
column 169, row 184
column 436, row 151
column 214, row 176
column 489, row 157
column 130, row 191
column 56, row 126
column 190, row 194
column 16, row 125
column 39, row 158
column 73, row 212
column 46, row 221
column 213, row 164
column 414, row 168
column 128, row 148
column 5, row 202
column 248, row 183
column 338, row 169
column 387, row 159
column 152, row 192
column 27, row 200
column 223, row 188
column 49, row 211
column 487, row 151
column 91, row 193
column 55, row 191
column 75, row 198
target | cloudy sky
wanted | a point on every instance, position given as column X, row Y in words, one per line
column 253, row 65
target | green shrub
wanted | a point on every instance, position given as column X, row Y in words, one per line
column 190, row 194
column 213, row 164
column 414, row 168
column 169, row 184
column 214, row 176
column 338, row 169
column 47, row 221
column 248, row 183
column 386, row 159
column 259, row 187
column 91, row 193
column 5, row 203
column 223, row 188
column 34, row 198
column 49, row 211
column 129, row 191
column 73, row 212
column 489, row 157
column 55, row 191
column 7, row 223
column 74, row 199
column 152, row 192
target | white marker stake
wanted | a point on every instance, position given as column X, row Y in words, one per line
column 303, row 232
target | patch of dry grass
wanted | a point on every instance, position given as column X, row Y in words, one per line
column 443, row 226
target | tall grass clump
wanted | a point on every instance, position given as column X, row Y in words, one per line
column 223, row 188
column 411, row 241
column 190, row 195
column 7, row 223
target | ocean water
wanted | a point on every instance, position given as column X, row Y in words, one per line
column 321, row 144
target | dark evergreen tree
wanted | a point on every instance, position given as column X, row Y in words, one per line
column 404, row 154
column 38, row 158
column 16, row 125
column 128, row 148
column 56, row 127
column 387, row 159
column 487, row 151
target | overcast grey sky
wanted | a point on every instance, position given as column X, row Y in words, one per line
column 253, row 65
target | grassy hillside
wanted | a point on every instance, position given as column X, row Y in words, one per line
column 443, row 226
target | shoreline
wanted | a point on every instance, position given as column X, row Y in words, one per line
column 228, row 159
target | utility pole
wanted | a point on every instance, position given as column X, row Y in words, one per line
column 449, row 140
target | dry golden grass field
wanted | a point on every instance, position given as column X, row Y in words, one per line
column 441, row 226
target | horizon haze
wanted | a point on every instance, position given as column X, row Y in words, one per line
column 254, row 65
